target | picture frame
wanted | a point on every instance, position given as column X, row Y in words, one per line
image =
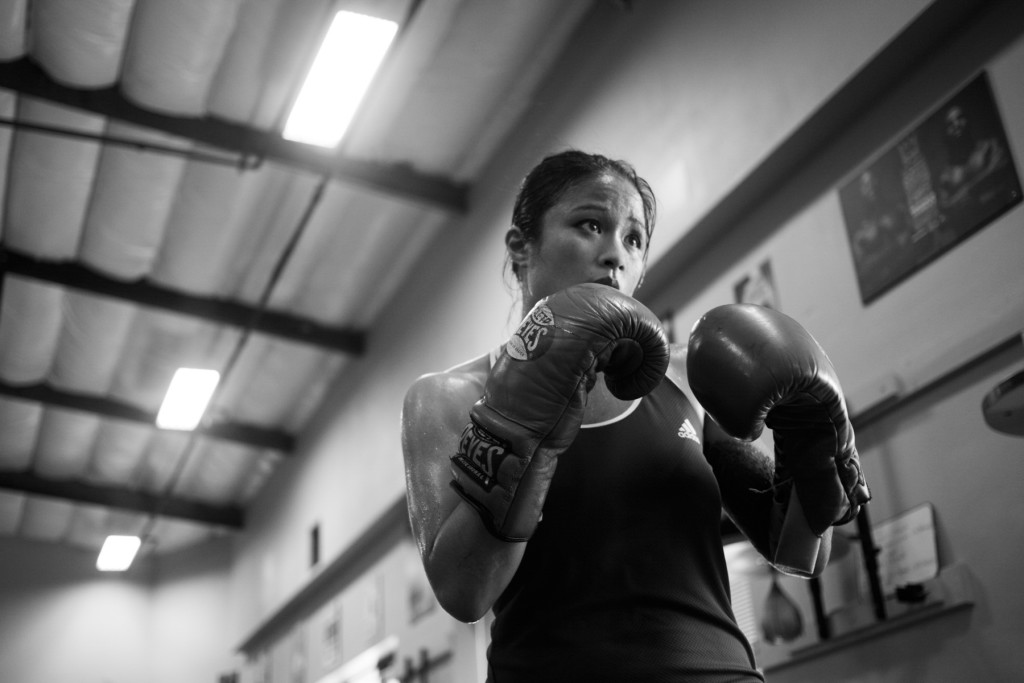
column 935, row 186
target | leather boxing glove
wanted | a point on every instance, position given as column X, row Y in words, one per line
column 535, row 394
column 751, row 366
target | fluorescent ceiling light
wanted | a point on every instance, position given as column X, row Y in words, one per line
column 117, row 553
column 349, row 57
column 186, row 399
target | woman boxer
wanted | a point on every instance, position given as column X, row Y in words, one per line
column 566, row 481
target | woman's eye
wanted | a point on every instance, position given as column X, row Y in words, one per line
column 636, row 241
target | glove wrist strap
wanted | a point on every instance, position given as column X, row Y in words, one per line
column 499, row 483
column 794, row 546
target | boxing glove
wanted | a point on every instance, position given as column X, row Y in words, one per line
column 534, row 397
column 751, row 366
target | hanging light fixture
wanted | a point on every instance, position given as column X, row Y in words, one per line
column 187, row 397
column 342, row 71
column 117, row 553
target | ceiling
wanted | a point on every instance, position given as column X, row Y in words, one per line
column 154, row 218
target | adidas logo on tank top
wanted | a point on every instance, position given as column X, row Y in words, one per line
column 686, row 431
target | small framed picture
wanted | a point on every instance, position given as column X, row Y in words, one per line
column 758, row 287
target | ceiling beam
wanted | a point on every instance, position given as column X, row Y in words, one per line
column 221, row 311
column 25, row 77
column 123, row 499
column 238, row 432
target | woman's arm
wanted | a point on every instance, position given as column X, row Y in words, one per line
column 506, row 426
column 467, row 566
column 745, row 472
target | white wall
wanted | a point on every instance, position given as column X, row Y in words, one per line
column 190, row 605
column 55, row 626
column 387, row 609
column 164, row 622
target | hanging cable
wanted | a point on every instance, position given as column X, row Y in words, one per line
column 261, row 306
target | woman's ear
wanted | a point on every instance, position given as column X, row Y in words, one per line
column 517, row 245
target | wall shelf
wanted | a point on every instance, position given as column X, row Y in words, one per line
column 951, row 592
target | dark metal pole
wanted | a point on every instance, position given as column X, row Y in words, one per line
column 867, row 545
column 824, row 630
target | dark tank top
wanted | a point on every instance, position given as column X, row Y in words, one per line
column 625, row 577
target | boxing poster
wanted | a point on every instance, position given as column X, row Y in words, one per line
column 948, row 178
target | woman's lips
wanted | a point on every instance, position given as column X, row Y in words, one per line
column 607, row 281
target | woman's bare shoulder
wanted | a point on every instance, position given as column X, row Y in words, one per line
column 457, row 387
column 436, row 410
column 478, row 366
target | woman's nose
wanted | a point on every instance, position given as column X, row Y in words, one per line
column 612, row 255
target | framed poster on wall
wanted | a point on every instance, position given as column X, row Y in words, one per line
column 945, row 180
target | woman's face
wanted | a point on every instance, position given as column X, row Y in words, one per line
column 594, row 233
